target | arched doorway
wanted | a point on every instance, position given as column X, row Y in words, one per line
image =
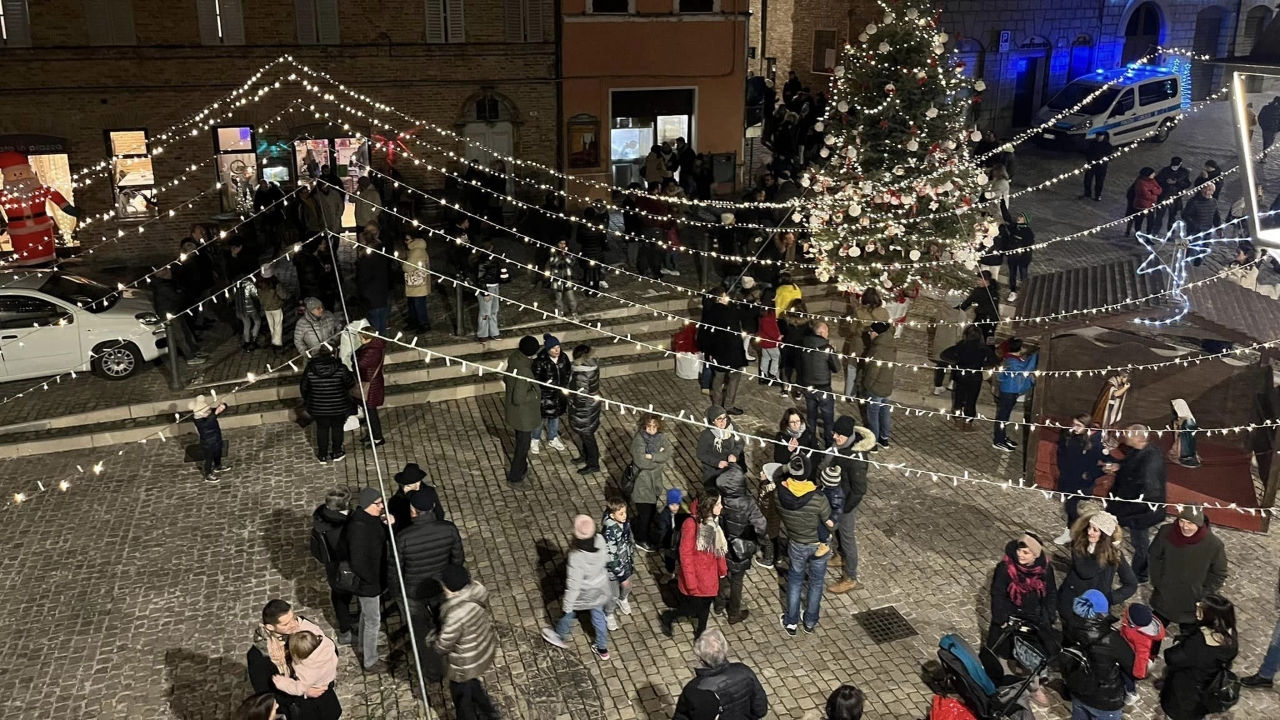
column 1142, row 32
column 1208, row 35
column 1254, row 22
column 490, row 131
column 1081, row 57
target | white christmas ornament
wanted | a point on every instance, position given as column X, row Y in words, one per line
column 931, row 113
column 884, row 47
column 982, row 179
column 855, row 251
column 975, row 136
column 797, row 217
column 914, row 255
column 888, row 18
column 939, row 49
column 871, row 29
column 839, row 71
column 842, row 106
column 855, row 210
column 949, row 144
column 829, row 139
column 912, row 145
column 804, row 181
column 824, row 152
column 890, row 88
column 942, row 38
column 979, row 86
column 862, row 37
column 818, row 126
column 912, row 13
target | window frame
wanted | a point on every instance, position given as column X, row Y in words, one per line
column 222, row 17
column 7, row 20
column 813, row 55
column 116, row 158
column 227, row 187
column 63, row 315
column 1115, row 108
column 1164, row 95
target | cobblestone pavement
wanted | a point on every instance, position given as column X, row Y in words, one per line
column 133, row 595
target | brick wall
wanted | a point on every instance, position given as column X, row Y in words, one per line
column 64, row 88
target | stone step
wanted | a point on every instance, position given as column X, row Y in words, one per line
column 448, row 385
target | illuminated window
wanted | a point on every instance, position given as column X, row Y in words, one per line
column 51, row 169
column 221, row 22
column 132, row 177
column 237, row 166
column 445, row 22
column 317, row 22
column 15, row 24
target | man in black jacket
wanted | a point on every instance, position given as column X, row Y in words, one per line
column 409, row 479
column 1201, row 213
column 724, row 348
column 1098, row 659
column 427, row 546
column 985, row 301
column 266, row 658
column 326, row 394
column 1173, row 179
column 850, row 445
column 1094, row 177
column 327, row 522
column 169, row 302
column 373, row 280
column 1140, row 475
column 739, row 691
column 817, row 363
column 365, row 547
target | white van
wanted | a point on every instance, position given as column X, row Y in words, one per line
column 1142, row 99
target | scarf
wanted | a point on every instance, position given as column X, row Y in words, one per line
column 652, row 443
column 1178, row 540
column 722, row 434
column 796, row 434
column 1023, row 579
column 711, row 538
column 271, row 648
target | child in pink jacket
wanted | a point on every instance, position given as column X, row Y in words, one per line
column 315, row 663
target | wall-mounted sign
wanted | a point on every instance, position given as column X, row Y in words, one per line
column 1006, row 39
column 584, row 141
column 29, row 144
column 1035, row 42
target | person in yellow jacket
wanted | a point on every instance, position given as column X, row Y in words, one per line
column 786, row 293
column 417, row 285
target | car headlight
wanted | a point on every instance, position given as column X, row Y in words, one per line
column 147, row 318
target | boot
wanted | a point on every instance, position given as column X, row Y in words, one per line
column 822, row 550
column 837, row 561
column 845, row 585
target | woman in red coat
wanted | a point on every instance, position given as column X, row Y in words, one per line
column 369, row 358
column 701, row 563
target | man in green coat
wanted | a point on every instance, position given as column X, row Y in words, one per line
column 521, row 404
column 877, row 380
column 1188, row 562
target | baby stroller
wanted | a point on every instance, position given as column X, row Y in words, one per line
column 979, row 680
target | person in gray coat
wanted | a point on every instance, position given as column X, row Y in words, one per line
column 466, row 642
column 744, row 528
column 520, row 402
column 719, row 446
column 316, row 327
column 650, row 453
column 587, row 588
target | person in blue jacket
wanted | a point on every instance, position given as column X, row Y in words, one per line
column 1015, row 379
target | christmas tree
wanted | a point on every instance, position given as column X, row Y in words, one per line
column 896, row 188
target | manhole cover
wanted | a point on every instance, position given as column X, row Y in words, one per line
column 885, row 624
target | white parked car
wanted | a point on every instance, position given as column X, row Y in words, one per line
column 52, row 322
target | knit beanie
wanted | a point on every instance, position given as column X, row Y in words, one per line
column 529, row 345
column 844, row 426
column 1139, row 615
column 1091, row 603
column 1192, row 515
column 831, row 476
column 675, row 496
column 368, row 496
column 714, row 412
column 454, row 578
column 312, row 304
column 1105, row 522
column 584, row 528
column 549, row 341
column 797, row 467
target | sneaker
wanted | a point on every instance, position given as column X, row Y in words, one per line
column 875, row 448
column 197, row 360
column 719, row 611
column 601, row 653
column 1064, row 538
column 785, row 393
column 535, row 447
column 883, row 443
column 338, row 456
column 664, row 271
column 604, row 285
column 880, row 446
column 346, row 638
column 554, row 638
column 378, row 668
column 211, row 478
column 791, row 629
column 1013, row 296
column 645, row 548
column 937, row 391
column 610, row 622
column 324, row 459
column 558, row 445
column 624, row 606
column 222, row 468
column 674, row 273
column 762, row 561
column 1001, row 447
column 706, row 391
column 1011, row 442
column 1130, row 698
column 808, row 629
column 1256, row 681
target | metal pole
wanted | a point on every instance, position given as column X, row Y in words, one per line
column 458, row 325
column 175, row 380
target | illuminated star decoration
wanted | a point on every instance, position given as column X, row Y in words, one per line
column 1186, row 250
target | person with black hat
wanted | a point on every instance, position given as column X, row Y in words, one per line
column 552, row 369
column 520, row 402
column 850, row 444
column 409, row 479
column 467, row 643
column 1188, row 562
column 427, row 546
column 802, row 509
column 364, row 546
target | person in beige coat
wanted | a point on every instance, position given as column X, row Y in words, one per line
column 948, row 332
column 417, row 285
column 466, row 643
column 865, row 310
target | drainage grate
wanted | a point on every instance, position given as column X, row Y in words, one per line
column 885, row 624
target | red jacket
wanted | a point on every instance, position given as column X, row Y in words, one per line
column 369, row 359
column 1141, row 644
column 769, row 333
column 699, row 572
column 1145, row 193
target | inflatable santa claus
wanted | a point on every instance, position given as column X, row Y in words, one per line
column 25, row 200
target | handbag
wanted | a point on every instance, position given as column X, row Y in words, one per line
column 627, row 483
column 344, row 578
column 1222, row 692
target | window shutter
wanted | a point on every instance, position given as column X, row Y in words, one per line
column 232, row 22
column 122, row 30
column 514, row 21
column 533, row 23
column 435, row 21
column 17, row 24
column 208, row 22
column 305, row 11
column 327, row 22
column 457, row 28
column 99, row 17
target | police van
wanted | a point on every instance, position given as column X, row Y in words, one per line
column 1141, row 100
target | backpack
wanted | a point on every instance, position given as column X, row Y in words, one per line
column 337, row 569
column 1222, row 692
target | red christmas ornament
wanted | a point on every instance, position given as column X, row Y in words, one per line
column 884, row 124
column 977, row 99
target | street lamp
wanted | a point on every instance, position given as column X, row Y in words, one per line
column 1262, row 62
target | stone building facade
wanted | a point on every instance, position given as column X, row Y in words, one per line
column 71, row 71
column 1025, row 50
